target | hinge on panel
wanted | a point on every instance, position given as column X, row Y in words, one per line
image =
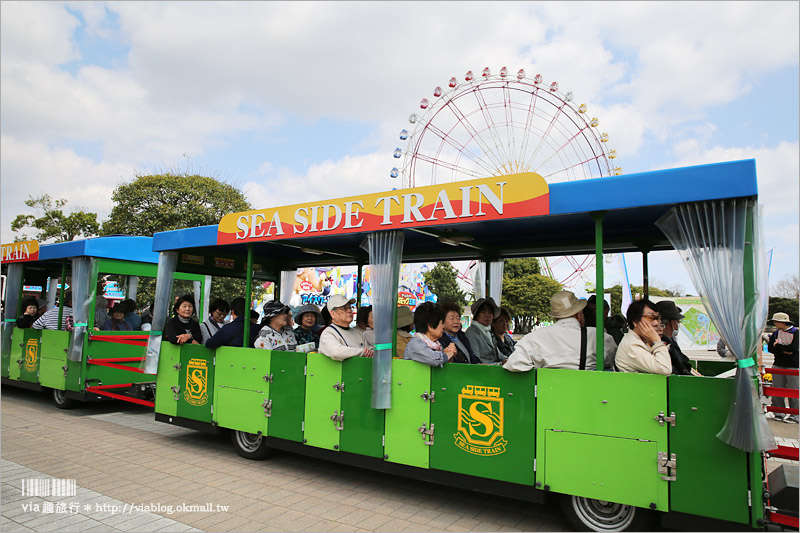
column 305, row 369
column 427, row 433
column 749, row 499
column 338, row 420
column 383, row 440
column 534, row 464
column 65, row 368
column 268, row 378
column 267, row 405
column 428, row 396
column 175, row 392
column 667, row 465
column 177, row 367
column 212, row 409
column 535, row 391
column 339, row 386
column 214, row 361
column 303, row 425
column 661, row 418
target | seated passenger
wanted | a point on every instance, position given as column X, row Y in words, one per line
column 671, row 320
column 339, row 341
column 217, row 312
column 561, row 345
column 232, row 333
column 364, row 321
column 182, row 328
column 505, row 344
column 479, row 333
column 49, row 320
column 614, row 325
column 424, row 347
column 274, row 334
column 453, row 334
column 307, row 330
column 131, row 316
column 641, row 349
column 118, row 322
column 100, row 308
column 30, row 312
column 405, row 323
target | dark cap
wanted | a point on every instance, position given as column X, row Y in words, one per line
column 668, row 310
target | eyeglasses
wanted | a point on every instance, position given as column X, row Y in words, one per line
column 346, row 308
column 651, row 316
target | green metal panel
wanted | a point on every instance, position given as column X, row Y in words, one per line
column 579, row 405
column 363, row 425
column 322, row 401
column 714, row 368
column 74, row 380
column 196, row 383
column 404, row 443
column 107, row 350
column 484, row 422
column 288, row 395
column 711, row 476
column 52, row 367
column 605, row 468
column 13, row 352
column 241, row 389
column 31, row 356
column 167, row 378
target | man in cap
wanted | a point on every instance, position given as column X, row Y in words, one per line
column 783, row 345
column 339, row 341
column 671, row 319
column 566, row 344
column 479, row 333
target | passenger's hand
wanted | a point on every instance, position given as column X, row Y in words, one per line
column 369, row 352
column 184, row 338
column 647, row 332
column 450, row 351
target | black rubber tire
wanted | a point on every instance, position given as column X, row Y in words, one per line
column 250, row 445
column 61, row 400
column 586, row 514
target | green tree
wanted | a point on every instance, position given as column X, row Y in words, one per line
column 527, row 298
column 442, row 280
column 170, row 201
column 164, row 202
column 53, row 223
column 515, row 268
column 783, row 305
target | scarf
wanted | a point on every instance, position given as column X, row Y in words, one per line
column 433, row 345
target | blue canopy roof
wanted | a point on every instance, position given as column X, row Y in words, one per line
column 114, row 247
column 632, row 202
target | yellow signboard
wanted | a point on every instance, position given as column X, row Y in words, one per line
column 480, row 421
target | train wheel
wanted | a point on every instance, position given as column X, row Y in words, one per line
column 250, row 445
column 587, row 514
column 61, row 400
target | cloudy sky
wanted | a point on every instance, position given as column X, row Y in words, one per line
column 289, row 99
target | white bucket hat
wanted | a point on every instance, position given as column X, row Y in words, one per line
column 564, row 304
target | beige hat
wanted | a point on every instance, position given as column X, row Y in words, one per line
column 337, row 300
column 781, row 317
column 404, row 316
column 488, row 301
column 564, row 304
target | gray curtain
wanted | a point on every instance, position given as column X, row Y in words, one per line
column 13, row 285
column 385, row 254
column 712, row 239
column 81, row 300
column 479, row 281
column 161, row 309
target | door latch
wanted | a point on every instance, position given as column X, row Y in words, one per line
column 176, row 390
column 267, row 405
column 19, row 362
column 339, row 386
column 667, row 466
column 177, row 367
column 268, row 378
column 65, row 368
column 427, row 434
column 338, row 420
column 661, row 418
column 428, row 396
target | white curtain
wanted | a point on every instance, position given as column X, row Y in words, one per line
column 385, row 254
column 165, row 275
column 81, row 299
column 479, row 280
column 496, row 280
column 288, row 278
column 13, row 286
column 714, row 239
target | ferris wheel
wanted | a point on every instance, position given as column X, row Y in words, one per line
column 495, row 125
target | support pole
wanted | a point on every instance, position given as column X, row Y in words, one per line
column 645, row 274
column 359, row 273
column 248, row 295
column 598, row 290
column 61, row 293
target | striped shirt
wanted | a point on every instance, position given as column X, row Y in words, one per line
column 49, row 320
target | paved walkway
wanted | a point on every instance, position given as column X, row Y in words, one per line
column 121, row 457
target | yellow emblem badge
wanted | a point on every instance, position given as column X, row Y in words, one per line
column 480, row 421
column 196, row 391
column 31, row 354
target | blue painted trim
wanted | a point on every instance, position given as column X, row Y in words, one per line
column 117, row 247
column 185, row 238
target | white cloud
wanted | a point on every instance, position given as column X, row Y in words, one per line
column 36, row 32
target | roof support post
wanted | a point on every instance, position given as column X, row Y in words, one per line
column 645, row 274
column 248, row 295
column 599, row 289
column 14, row 282
column 359, row 274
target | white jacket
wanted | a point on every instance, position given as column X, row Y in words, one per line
column 340, row 343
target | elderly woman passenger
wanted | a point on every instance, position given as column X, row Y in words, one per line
column 307, row 330
column 505, row 344
column 641, row 349
column 424, row 347
column 274, row 334
column 182, row 328
column 479, row 333
column 453, row 334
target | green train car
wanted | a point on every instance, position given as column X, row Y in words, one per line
column 82, row 364
column 620, row 450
